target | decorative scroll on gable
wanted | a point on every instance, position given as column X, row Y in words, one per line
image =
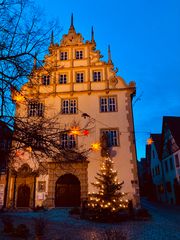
column 72, row 38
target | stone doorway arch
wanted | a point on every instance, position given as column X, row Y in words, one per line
column 23, row 196
column 67, row 191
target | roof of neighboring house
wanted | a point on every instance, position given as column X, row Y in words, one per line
column 157, row 142
column 173, row 124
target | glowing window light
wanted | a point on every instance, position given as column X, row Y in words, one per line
column 95, row 146
column 149, row 141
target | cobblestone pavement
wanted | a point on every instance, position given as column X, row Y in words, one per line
column 164, row 225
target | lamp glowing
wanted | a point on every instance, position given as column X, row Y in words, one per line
column 149, row 141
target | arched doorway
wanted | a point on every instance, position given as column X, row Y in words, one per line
column 23, row 196
column 67, row 192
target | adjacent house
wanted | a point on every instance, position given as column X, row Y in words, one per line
column 170, row 157
column 165, row 161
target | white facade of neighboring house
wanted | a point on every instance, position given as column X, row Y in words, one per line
column 75, row 82
column 170, row 158
column 165, row 161
column 156, row 167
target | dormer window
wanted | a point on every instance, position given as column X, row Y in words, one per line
column 79, row 54
column 45, row 80
column 96, row 76
column 63, row 56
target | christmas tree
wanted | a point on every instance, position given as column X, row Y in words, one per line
column 109, row 200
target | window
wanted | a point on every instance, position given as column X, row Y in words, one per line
column 62, row 78
column 68, row 141
column 171, row 163
column 41, row 186
column 79, row 77
column 79, row 54
column 96, row 76
column 69, row 106
column 63, row 56
column 45, row 80
column 35, row 109
column 108, row 104
column 112, row 136
column 177, row 160
column 166, row 166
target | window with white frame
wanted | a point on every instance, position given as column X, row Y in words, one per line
column 63, row 78
column 112, row 136
column 63, row 56
column 79, row 77
column 35, row 109
column 45, row 80
column 68, row 141
column 79, row 54
column 96, row 76
column 108, row 104
column 69, row 106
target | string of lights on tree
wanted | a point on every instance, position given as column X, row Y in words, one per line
column 109, row 199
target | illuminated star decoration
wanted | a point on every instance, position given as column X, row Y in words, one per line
column 149, row 141
column 95, row 146
column 74, row 131
column 85, row 132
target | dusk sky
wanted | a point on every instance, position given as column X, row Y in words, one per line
column 144, row 36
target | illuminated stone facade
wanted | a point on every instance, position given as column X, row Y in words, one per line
column 76, row 86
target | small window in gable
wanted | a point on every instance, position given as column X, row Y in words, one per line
column 63, row 56
column 45, row 80
column 63, row 78
column 97, row 76
column 79, row 54
column 80, row 77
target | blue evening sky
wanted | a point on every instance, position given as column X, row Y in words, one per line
column 144, row 36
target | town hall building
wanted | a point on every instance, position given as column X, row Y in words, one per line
column 81, row 95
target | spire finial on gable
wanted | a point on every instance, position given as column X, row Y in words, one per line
column 72, row 29
column 92, row 34
column 72, row 20
column 52, row 38
column 109, row 55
